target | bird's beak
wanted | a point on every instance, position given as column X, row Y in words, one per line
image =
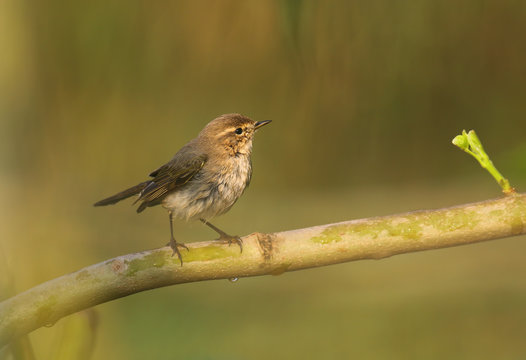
column 261, row 123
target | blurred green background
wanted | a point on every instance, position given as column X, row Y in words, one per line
column 365, row 97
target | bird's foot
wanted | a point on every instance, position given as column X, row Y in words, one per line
column 231, row 239
column 224, row 237
column 175, row 247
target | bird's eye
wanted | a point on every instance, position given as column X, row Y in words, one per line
column 239, row 131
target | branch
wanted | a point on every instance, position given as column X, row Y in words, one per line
column 470, row 143
column 263, row 254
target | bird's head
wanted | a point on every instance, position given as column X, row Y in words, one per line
column 232, row 132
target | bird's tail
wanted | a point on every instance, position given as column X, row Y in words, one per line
column 122, row 195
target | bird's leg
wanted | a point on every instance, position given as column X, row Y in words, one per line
column 223, row 236
column 174, row 244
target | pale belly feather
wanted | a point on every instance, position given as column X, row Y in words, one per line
column 209, row 196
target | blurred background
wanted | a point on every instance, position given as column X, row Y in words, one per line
column 365, row 97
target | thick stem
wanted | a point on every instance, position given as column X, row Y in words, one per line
column 263, row 254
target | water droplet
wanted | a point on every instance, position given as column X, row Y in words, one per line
column 233, row 279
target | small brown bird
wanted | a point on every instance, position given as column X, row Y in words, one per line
column 203, row 179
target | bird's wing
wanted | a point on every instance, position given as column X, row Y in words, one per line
column 171, row 176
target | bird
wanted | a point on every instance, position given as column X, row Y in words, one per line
column 203, row 179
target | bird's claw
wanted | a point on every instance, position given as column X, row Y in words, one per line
column 175, row 247
column 232, row 239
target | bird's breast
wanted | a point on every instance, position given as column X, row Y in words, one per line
column 233, row 178
column 213, row 190
column 235, row 175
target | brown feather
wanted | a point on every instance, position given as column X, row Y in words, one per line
column 169, row 177
column 134, row 190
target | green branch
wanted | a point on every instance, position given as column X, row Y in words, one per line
column 470, row 143
column 263, row 254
